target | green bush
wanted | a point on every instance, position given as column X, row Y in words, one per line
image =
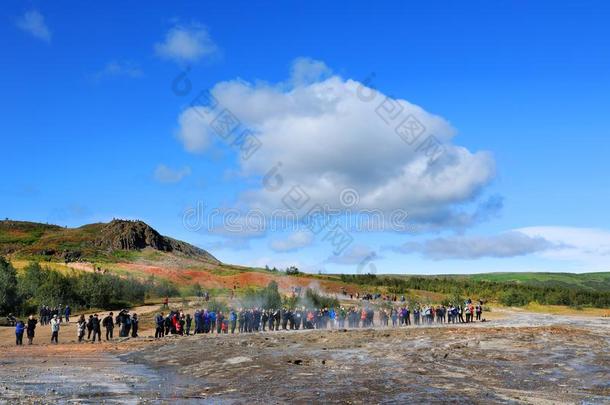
column 266, row 298
column 313, row 298
column 9, row 297
column 38, row 285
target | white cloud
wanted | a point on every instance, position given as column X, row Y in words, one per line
column 509, row 244
column 306, row 71
column 294, row 241
column 588, row 246
column 33, row 23
column 119, row 69
column 186, row 44
column 165, row 174
column 192, row 126
column 229, row 244
column 358, row 254
column 328, row 138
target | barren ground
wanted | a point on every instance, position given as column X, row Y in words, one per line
column 516, row 358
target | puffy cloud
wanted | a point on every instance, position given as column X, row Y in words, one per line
column 186, row 44
column 334, row 134
column 193, row 130
column 294, row 241
column 355, row 255
column 585, row 246
column 33, row 23
column 306, row 71
column 119, row 69
column 509, row 244
column 165, row 174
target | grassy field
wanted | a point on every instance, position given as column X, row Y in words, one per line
column 22, row 264
column 564, row 310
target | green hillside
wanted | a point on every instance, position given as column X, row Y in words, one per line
column 93, row 242
column 589, row 281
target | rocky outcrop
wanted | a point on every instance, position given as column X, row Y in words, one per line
column 130, row 235
column 137, row 235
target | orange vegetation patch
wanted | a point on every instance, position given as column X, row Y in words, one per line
column 172, row 274
column 210, row 279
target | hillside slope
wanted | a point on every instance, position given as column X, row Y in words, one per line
column 93, row 242
column 588, row 281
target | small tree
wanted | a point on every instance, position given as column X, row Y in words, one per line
column 9, row 298
column 195, row 289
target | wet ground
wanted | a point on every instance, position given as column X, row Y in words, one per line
column 521, row 358
column 54, row 375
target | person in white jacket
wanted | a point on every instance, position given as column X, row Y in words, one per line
column 81, row 325
column 54, row 329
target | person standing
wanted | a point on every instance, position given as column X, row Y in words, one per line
column 97, row 328
column 19, row 329
column 181, row 323
column 89, row 327
column 264, row 318
column 30, row 328
column 479, row 310
column 55, row 329
column 160, row 323
column 189, row 322
column 197, row 318
column 123, row 319
column 108, row 324
column 219, row 320
column 168, row 323
column 134, row 325
column 212, row 315
column 67, row 313
column 233, row 320
column 81, row 325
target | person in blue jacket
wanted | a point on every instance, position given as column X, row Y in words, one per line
column 19, row 329
column 233, row 320
column 212, row 316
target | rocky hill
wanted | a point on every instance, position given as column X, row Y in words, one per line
column 101, row 241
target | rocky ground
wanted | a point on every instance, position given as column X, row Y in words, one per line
column 522, row 358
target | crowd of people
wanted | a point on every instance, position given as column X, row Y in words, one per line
column 249, row 320
column 128, row 325
column 46, row 314
column 260, row 320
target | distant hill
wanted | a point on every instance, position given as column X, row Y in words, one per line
column 589, row 281
column 599, row 281
column 93, row 242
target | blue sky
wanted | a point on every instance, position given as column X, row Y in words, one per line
column 515, row 93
